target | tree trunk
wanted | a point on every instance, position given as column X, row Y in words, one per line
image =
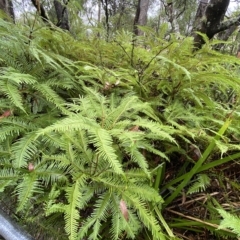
column 211, row 21
column 41, row 10
column 7, row 7
column 141, row 16
column 199, row 14
column 224, row 36
column 62, row 14
column 105, row 4
column 172, row 17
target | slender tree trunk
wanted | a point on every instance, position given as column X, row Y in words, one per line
column 121, row 9
column 62, row 14
column 169, row 8
column 105, row 4
column 7, row 7
column 41, row 10
column 238, row 40
column 141, row 16
column 99, row 12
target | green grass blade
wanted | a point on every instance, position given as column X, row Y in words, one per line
column 198, row 164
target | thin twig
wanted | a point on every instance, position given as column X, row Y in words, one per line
column 198, row 220
column 193, row 200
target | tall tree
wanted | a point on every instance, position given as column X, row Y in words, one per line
column 210, row 20
column 62, row 14
column 179, row 15
column 40, row 10
column 141, row 16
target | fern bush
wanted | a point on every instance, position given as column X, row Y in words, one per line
column 95, row 156
column 89, row 128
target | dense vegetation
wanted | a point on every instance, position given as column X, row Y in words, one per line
column 108, row 140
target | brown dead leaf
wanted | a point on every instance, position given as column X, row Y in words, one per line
column 134, row 129
column 124, row 210
column 7, row 113
column 30, row 167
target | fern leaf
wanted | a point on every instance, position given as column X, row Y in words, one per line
column 24, row 149
column 12, row 92
column 120, row 111
column 100, row 213
column 203, row 181
column 160, row 131
column 72, row 215
column 175, row 65
column 103, row 142
column 139, row 158
column 145, row 216
column 229, row 221
column 26, row 188
column 51, row 95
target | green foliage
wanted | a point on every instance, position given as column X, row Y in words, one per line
column 203, row 181
column 230, row 221
column 104, row 159
column 89, row 128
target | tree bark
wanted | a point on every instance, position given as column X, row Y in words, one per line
column 105, row 4
column 7, row 7
column 172, row 17
column 41, row 10
column 141, row 16
column 225, row 35
column 211, row 21
column 62, row 15
column 199, row 14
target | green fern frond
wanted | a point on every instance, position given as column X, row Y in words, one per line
column 13, row 127
column 202, row 182
column 116, row 224
column 120, row 225
column 71, row 215
column 7, row 131
column 16, row 76
column 126, row 137
column 140, row 159
column 143, row 192
column 8, row 177
column 102, row 140
column 4, row 184
column 176, row 66
column 51, row 95
column 146, row 217
column 121, row 111
column 50, row 173
column 26, row 189
column 159, row 130
column 11, row 91
column 73, row 123
column 229, row 221
column 150, row 148
column 100, row 213
column 24, row 149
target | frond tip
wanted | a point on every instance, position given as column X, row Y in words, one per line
column 229, row 221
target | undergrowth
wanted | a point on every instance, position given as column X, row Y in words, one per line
column 90, row 130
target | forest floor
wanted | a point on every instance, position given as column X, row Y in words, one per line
column 195, row 210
